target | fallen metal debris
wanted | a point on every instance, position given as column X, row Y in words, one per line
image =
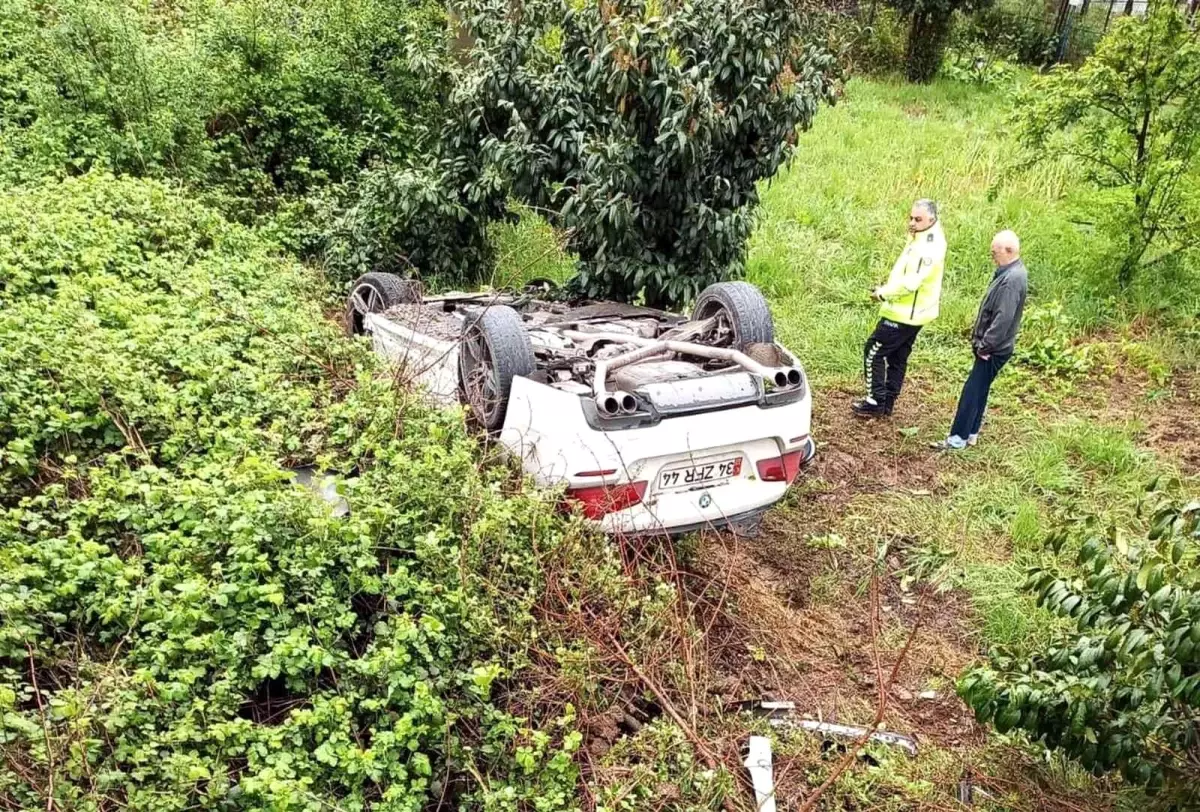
column 758, row 762
column 782, row 714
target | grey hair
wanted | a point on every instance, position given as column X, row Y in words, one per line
column 929, row 206
column 1009, row 238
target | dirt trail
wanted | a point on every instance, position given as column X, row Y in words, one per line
column 783, row 644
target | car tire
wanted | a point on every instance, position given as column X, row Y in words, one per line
column 495, row 349
column 743, row 308
column 375, row 292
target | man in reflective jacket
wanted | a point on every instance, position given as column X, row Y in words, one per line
column 909, row 301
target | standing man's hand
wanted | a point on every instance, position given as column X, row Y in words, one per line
column 984, row 356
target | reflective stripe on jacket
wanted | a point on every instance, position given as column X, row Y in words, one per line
column 914, row 286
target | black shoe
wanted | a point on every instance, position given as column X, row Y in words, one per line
column 865, row 408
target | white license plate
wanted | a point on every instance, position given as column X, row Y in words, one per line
column 696, row 475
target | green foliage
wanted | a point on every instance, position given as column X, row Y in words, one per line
column 181, row 627
column 871, row 46
column 1046, row 342
column 1010, row 30
column 641, row 130
column 1130, row 116
column 411, row 222
column 929, row 25
column 979, row 69
column 1119, row 690
column 239, row 96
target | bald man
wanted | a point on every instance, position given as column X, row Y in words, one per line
column 992, row 339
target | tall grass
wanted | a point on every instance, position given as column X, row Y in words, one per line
column 833, row 222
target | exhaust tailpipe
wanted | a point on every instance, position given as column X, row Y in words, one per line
column 627, row 402
column 608, row 404
column 786, row 376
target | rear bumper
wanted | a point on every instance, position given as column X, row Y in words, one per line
column 678, row 517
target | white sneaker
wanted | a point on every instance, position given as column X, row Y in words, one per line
column 973, row 439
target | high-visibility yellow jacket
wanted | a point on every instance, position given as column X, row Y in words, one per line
column 914, row 286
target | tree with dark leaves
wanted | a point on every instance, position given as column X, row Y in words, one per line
column 640, row 128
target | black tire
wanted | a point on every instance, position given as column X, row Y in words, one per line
column 375, row 292
column 495, row 349
column 743, row 309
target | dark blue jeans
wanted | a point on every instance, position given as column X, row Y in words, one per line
column 973, row 400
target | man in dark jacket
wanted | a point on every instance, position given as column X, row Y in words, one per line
column 992, row 339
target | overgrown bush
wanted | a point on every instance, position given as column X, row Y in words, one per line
column 640, row 129
column 1010, row 30
column 240, row 97
column 1047, row 343
column 180, row 627
column 412, row 222
column 1119, row 692
column 870, row 45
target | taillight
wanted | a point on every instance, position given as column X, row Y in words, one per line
column 781, row 469
column 600, row 500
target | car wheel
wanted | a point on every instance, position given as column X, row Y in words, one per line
column 741, row 311
column 495, row 349
column 375, row 292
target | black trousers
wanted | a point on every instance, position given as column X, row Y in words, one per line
column 885, row 359
column 973, row 401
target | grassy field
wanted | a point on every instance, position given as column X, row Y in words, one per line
column 1082, row 425
column 1099, row 401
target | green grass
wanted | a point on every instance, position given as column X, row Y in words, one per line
column 833, row 222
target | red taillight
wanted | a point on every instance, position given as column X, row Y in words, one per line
column 781, row 469
column 600, row 500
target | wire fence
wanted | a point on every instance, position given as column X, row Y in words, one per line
column 1041, row 32
column 1073, row 27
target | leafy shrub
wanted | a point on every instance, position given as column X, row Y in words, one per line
column 1120, row 690
column 412, row 222
column 640, row 130
column 225, row 93
column 180, row 627
column 1011, row 31
column 979, row 69
column 874, row 45
column 1046, row 342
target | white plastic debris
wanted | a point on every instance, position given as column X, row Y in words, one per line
column 781, row 714
column 325, row 486
column 758, row 762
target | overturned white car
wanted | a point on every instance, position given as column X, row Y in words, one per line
column 654, row 422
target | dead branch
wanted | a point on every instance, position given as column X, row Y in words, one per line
column 884, row 691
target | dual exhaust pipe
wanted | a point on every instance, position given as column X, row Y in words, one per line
column 611, row 404
column 786, row 376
